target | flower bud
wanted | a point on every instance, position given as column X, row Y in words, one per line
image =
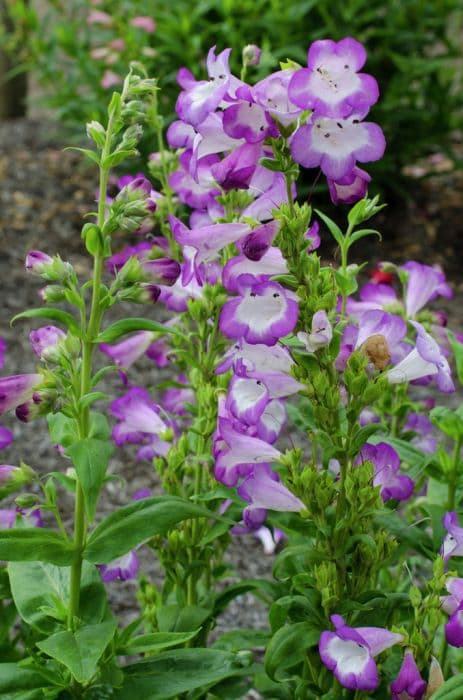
column 97, row 132
column 37, row 262
column 140, row 294
column 45, row 341
column 251, row 55
column 50, row 269
column 52, row 293
column 13, row 478
column 17, row 389
column 162, row 270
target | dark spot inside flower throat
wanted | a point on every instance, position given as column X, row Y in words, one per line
column 253, row 294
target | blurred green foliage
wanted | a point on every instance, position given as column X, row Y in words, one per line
column 414, row 51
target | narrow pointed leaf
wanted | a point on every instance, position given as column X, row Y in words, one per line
column 129, row 325
column 90, row 458
column 35, row 544
column 51, row 314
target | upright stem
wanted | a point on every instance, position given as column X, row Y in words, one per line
column 453, row 479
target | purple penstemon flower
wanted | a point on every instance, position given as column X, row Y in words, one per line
column 17, row 390
column 269, row 195
column 6, row 437
column 235, row 171
column 237, row 453
column 263, row 313
column 454, row 628
column 453, row 606
column 263, row 491
column 210, row 138
column 272, row 94
column 247, row 398
column 270, row 264
column 198, row 191
column 123, row 568
column 8, row 517
column 452, row 545
column 246, row 119
column 138, row 415
column 424, row 283
column 409, row 685
column 335, row 144
column 350, row 188
column 258, row 242
column 271, row 421
column 422, row 426
column 129, row 350
column 37, row 262
column 321, row 333
column 373, row 296
column 331, row 84
column 349, row 653
column 45, row 339
column 386, row 463
column 426, row 359
column 162, row 270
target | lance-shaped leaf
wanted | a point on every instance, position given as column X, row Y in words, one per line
column 35, row 544
column 90, row 458
column 126, row 527
column 128, row 325
column 52, row 315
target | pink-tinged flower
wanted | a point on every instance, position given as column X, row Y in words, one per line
column 117, row 44
column 123, row 568
column 321, row 333
column 16, row 390
column 247, row 120
column 269, row 196
column 263, row 491
column 99, row 17
column 386, row 463
column 452, row 545
column 99, row 53
column 141, row 251
column 176, row 399
column 9, row 516
column 267, row 360
column 37, row 262
column 454, row 628
column 8, row 472
column 452, row 602
column 258, row 242
column 349, row 653
column 409, row 685
column 6, row 437
column 110, row 79
column 200, row 98
column 350, row 188
column 143, row 22
column 235, row 171
column 426, row 359
column 159, row 352
column 422, row 426
column 177, row 296
column 331, row 84
column 138, row 415
column 271, row 263
column 180, row 135
column 424, row 283
column 272, row 94
column 210, row 138
column 45, row 339
column 162, row 270
column 237, row 453
column 373, row 296
column 335, row 145
column 247, row 399
column 129, row 350
column 263, row 313
column 2, row 352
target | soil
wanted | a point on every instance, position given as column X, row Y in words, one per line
column 44, row 193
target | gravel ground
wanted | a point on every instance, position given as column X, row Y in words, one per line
column 44, row 192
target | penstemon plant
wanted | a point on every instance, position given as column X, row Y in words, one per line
column 265, row 343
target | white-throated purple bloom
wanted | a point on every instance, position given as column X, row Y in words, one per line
column 454, row 628
column 198, row 191
column 349, row 653
column 272, row 420
column 138, row 415
column 376, row 322
column 386, row 463
column 6, row 437
column 271, row 263
column 247, row 398
column 17, row 390
column 334, row 145
column 269, row 195
column 123, row 568
column 8, row 517
column 37, row 262
column 237, row 453
column 263, row 313
column 204, row 96
column 272, row 94
column 141, row 251
column 331, row 84
column 373, row 296
column 211, row 138
column 350, row 188
column 409, row 685
column 180, row 135
column 313, row 236
column 424, row 283
column 246, row 119
column 176, row 400
column 452, row 545
column 426, row 359
column 453, row 606
column 321, row 333
column 263, row 491
column 45, row 339
column 129, row 350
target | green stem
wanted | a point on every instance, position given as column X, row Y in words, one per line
column 453, row 479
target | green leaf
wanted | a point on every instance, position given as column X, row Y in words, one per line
column 270, row 164
column 63, row 430
column 347, row 283
column 86, row 151
column 80, row 651
column 448, row 421
column 288, row 647
column 362, row 233
column 37, row 587
column 451, row 690
column 118, row 157
column 129, row 325
column 332, row 227
column 158, row 641
column 90, row 458
column 15, row 682
column 235, row 640
column 126, row 527
column 51, row 314
column 171, row 673
column 35, row 544
column 176, row 618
